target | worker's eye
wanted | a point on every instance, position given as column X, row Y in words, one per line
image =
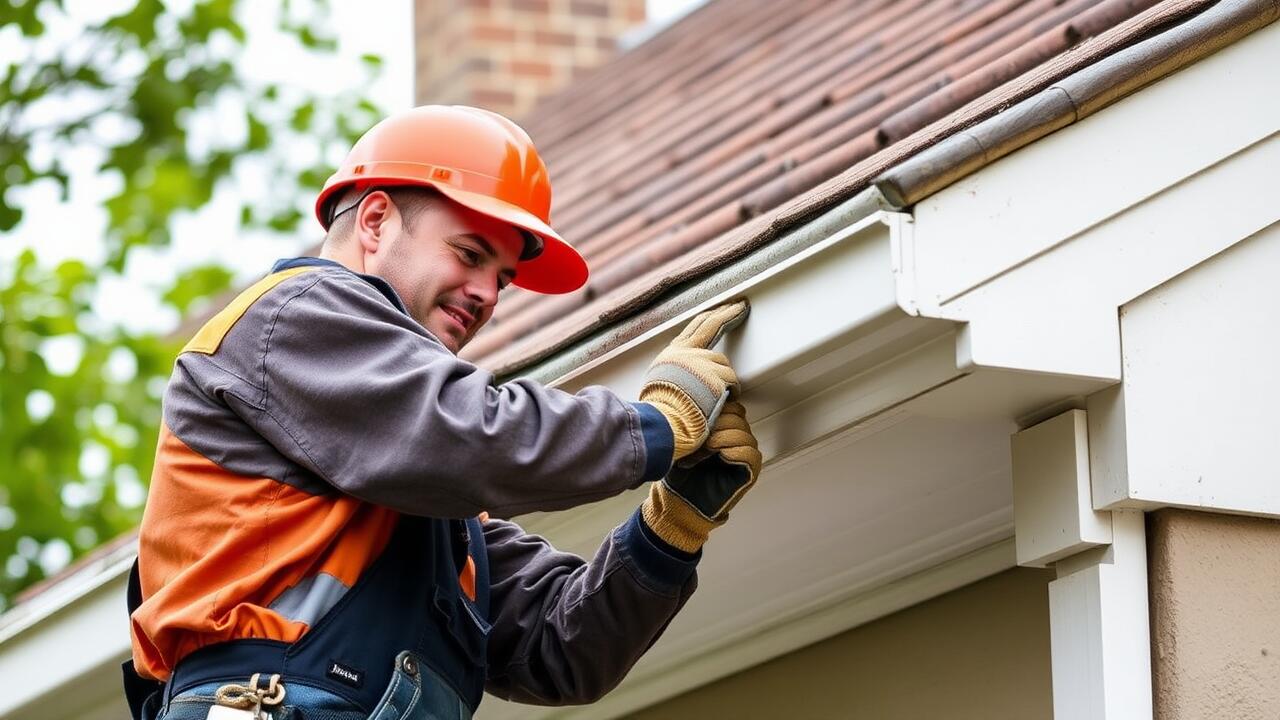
column 469, row 256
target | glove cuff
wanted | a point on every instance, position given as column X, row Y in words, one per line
column 674, row 520
column 688, row 425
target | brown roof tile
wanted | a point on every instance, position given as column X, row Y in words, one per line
column 750, row 116
column 1066, row 98
column 863, row 128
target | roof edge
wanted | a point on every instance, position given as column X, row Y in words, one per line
column 99, row 568
column 762, row 228
column 702, row 289
column 1074, row 97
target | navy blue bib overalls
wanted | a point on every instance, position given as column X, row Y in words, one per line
column 404, row 642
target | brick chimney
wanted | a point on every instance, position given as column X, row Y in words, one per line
column 506, row 54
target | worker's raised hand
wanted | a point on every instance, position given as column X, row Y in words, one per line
column 696, row 497
column 689, row 382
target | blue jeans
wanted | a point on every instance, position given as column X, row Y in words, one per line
column 415, row 692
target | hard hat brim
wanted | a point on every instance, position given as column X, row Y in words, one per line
column 559, row 269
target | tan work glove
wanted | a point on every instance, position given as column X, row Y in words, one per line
column 695, row 498
column 688, row 382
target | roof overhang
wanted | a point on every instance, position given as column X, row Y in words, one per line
column 890, row 356
column 60, row 651
column 887, row 359
column 886, row 478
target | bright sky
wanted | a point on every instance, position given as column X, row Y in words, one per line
column 61, row 231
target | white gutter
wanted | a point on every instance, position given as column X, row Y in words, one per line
column 825, row 308
column 73, row 635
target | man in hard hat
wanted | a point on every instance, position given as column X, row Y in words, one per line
column 317, row 539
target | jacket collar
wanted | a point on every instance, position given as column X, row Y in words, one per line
column 378, row 283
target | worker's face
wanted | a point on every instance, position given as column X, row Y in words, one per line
column 447, row 267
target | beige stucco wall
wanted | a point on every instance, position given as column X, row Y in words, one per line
column 979, row 652
column 1215, row 615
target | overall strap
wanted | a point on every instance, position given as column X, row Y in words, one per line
column 137, row 689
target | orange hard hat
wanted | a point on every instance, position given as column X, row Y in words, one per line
column 476, row 158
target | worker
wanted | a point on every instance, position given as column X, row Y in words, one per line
column 322, row 535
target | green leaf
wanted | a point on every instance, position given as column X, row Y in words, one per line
column 314, row 177
column 285, row 221
column 259, row 134
column 27, row 20
column 140, row 22
column 73, row 272
column 301, row 120
column 89, row 76
column 198, row 284
column 311, row 38
column 211, row 16
column 10, row 216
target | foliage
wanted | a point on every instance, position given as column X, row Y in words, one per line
column 79, row 400
column 74, row 441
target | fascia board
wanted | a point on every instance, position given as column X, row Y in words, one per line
column 1131, row 249
column 1037, row 252
column 108, row 569
column 680, row 302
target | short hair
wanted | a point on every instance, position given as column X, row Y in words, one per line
column 410, row 200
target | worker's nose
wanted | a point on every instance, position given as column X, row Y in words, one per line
column 483, row 288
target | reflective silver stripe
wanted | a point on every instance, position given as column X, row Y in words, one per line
column 310, row 599
column 693, row 386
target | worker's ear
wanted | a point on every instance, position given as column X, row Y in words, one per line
column 371, row 220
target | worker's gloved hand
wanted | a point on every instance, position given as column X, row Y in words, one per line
column 689, row 382
column 696, row 496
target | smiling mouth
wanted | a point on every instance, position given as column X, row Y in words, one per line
column 461, row 317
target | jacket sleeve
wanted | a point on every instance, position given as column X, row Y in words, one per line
column 567, row 631
column 349, row 387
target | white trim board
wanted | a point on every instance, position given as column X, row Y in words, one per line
column 1036, row 252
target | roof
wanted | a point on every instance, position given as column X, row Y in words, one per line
column 750, row 116
column 650, row 213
